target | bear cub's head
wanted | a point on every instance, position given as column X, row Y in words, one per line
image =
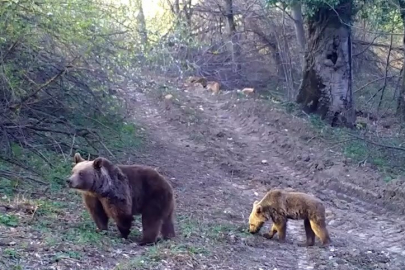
column 89, row 175
column 257, row 218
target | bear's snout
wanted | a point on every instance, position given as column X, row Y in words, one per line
column 69, row 182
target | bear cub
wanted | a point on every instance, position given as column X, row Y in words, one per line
column 121, row 191
column 281, row 205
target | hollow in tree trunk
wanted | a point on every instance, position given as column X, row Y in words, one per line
column 326, row 87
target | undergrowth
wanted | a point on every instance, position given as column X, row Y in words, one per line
column 51, row 168
column 360, row 145
column 363, row 146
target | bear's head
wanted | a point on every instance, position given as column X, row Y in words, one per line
column 257, row 218
column 96, row 176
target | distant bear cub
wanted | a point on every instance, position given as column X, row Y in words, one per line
column 281, row 205
column 121, row 191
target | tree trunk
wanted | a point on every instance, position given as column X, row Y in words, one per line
column 188, row 11
column 233, row 36
column 141, row 23
column 296, row 12
column 182, row 11
column 401, row 98
column 326, row 87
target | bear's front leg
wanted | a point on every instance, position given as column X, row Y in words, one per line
column 96, row 210
column 280, row 224
column 124, row 224
column 282, row 231
column 272, row 232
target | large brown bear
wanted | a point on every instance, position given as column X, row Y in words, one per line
column 281, row 205
column 121, row 191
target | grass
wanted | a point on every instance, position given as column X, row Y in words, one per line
column 68, row 234
column 158, row 254
column 200, row 237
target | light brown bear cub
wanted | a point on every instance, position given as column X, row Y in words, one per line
column 121, row 191
column 281, row 205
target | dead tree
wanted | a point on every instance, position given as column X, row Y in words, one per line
column 326, row 87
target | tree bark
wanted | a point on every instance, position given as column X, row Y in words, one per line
column 296, row 12
column 141, row 23
column 233, row 35
column 326, row 87
column 401, row 98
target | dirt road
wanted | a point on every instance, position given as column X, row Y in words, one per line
column 223, row 152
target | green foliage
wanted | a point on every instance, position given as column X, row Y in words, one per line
column 9, row 220
column 11, row 253
column 7, row 186
column 60, row 61
column 311, row 6
column 383, row 15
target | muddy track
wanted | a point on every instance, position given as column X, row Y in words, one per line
column 214, row 149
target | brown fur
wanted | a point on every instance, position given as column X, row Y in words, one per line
column 281, row 205
column 213, row 86
column 121, row 191
column 200, row 80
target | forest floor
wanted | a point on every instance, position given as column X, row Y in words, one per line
column 222, row 152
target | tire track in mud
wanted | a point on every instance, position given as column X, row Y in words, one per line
column 357, row 227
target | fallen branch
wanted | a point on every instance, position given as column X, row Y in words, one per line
column 9, row 174
column 374, row 44
column 377, row 144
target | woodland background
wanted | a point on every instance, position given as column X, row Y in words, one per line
column 65, row 67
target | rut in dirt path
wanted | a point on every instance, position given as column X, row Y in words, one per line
column 217, row 166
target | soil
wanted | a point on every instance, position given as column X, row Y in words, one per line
column 224, row 151
column 221, row 153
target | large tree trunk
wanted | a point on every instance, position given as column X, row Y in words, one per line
column 233, row 36
column 401, row 98
column 326, row 87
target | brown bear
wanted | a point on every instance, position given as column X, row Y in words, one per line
column 281, row 205
column 121, row 191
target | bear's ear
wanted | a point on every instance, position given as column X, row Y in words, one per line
column 255, row 202
column 259, row 209
column 98, row 163
column 78, row 158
